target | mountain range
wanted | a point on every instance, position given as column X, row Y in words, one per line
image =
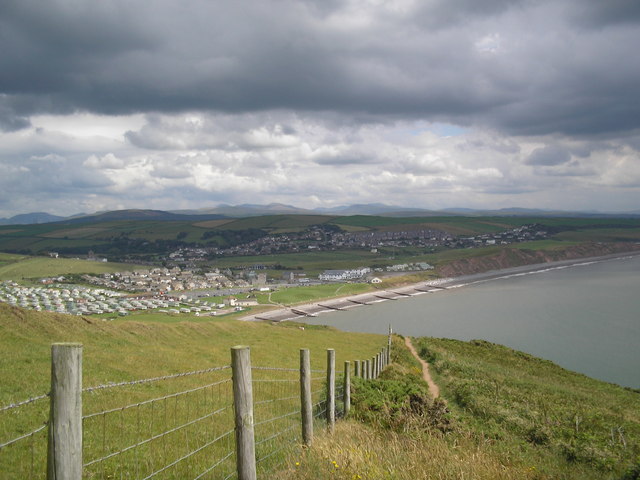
column 249, row 210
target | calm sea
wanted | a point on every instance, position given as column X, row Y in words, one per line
column 584, row 317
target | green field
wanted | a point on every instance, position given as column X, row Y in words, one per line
column 508, row 415
column 295, row 295
column 115, row 236
column 17, row 267
column 505, row 415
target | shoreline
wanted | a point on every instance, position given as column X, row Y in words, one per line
column 346, row 302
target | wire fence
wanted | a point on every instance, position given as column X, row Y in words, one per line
column 177, row 426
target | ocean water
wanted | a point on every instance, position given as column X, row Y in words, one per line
column 584, row 317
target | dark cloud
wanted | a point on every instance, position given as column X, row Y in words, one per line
column 341, row 159
column 548, row 156
column 10, row 122
column 515, row 66
column 596, row 14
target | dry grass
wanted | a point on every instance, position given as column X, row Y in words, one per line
column 356, row 451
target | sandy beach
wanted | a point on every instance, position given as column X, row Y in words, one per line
column 317, row 308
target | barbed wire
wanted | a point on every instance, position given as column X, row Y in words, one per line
column 155, row 379
column 22, row 437
column 25, row 402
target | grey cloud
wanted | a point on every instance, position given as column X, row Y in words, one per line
column 346, row 159
column 10, row 122
column 596, row 14
column 118, row 57
column 548, row 156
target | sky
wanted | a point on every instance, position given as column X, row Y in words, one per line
column 167, row 104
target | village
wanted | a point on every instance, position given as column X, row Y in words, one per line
column 180, row 289
column 327, row 238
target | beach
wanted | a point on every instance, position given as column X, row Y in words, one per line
column 314, row 309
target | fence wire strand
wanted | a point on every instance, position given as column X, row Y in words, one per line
column 155, row 379
column 188, row 433
column 11, row 406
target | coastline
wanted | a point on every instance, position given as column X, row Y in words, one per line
column 314, row 309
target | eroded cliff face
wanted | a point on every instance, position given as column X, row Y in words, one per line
column 512, row 257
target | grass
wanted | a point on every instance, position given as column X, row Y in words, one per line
column 508, row 416
column 22, row 267
column 295, row 295
column 560, row 421
column 125, row 350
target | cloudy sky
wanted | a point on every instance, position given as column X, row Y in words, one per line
column 171, row 104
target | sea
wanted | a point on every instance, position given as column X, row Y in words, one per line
column 584, row 316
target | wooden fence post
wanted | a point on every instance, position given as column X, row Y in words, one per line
column 305, row 397
column 357, row 372
column 243, row 407
column 346, row 395
column 64, row 451
column 389, row 346
column 374, row 368
column 331, row 389
column 366, row 369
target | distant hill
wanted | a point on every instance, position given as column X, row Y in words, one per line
column 159, row 215
column 248, row 210
column 30, row 218
column 255, row 210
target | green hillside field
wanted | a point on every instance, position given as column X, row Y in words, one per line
column 503, row 414
column 117, row 237
column 19, row 267
column 507, row 415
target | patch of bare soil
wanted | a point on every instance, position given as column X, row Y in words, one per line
column 434, row 390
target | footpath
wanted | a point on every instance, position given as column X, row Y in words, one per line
column 434, row 390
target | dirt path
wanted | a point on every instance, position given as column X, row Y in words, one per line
column 433, row 388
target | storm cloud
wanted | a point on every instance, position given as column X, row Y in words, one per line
column 321, row 100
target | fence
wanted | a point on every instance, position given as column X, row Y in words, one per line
column 230, row 421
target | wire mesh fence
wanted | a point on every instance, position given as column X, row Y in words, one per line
column 23, row 438
column 179, row 426
column 176, row 427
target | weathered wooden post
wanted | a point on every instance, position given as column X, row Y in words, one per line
column 305, row 397
column 357, row 372
column 389, row 346
column 243, row 407
column 366, row 369
column 64, row 453
column 346, row 395
column 331, row 388
column 374, row 367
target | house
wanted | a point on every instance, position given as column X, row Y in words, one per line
column 342, row 275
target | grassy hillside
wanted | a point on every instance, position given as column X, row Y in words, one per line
column 124, row 350
column 118, row 236
column 18, row 267
column 507, row 415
